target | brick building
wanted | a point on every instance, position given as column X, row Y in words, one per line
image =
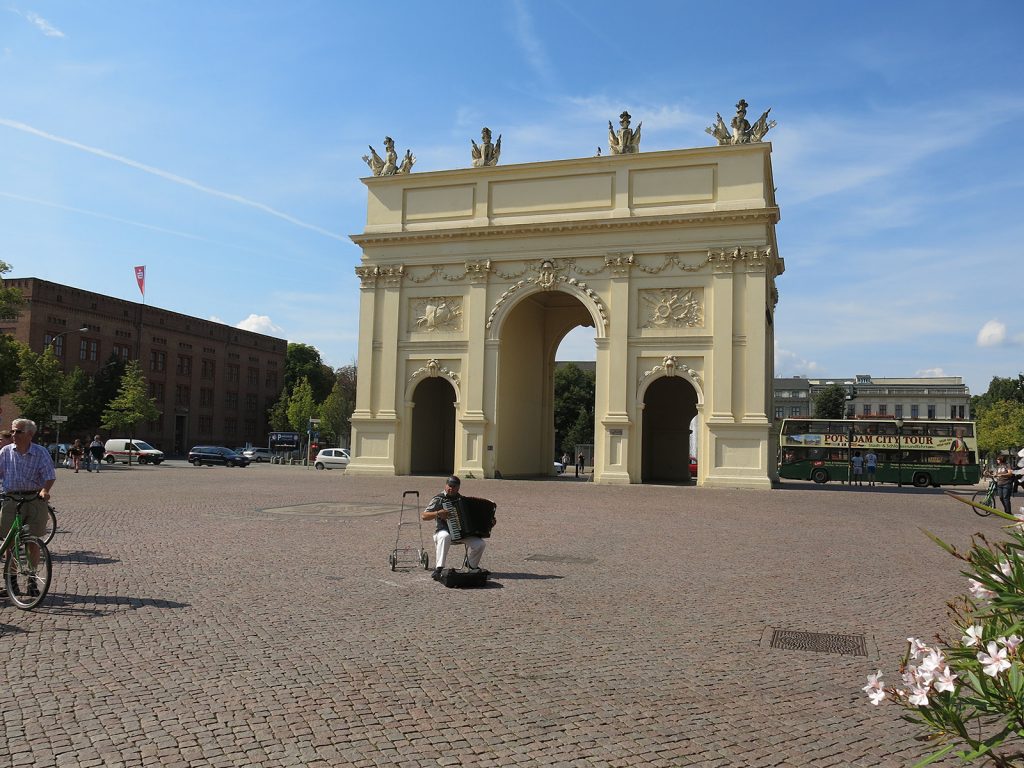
column 213, row 383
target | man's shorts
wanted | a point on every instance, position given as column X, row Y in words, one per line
column 33, row 512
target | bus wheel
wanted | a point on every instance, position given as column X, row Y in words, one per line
column 922, row 480
column 819, row 476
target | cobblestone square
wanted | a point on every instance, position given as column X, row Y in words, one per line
column 248, row 617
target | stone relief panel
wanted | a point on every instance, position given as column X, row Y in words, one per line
column 671, row 308
column 436, row 314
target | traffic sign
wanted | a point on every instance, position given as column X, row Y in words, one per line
column 55, row 418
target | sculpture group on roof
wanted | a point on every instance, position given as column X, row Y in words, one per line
column 621, row 141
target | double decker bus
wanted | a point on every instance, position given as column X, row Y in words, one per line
column 919, row 453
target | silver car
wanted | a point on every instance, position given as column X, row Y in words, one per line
column 257, row 454
column 332, row 458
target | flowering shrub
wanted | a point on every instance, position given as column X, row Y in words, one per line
column 968, row 692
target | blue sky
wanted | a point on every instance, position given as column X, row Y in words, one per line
column 219, row 144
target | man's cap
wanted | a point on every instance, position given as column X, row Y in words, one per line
column 453, row 480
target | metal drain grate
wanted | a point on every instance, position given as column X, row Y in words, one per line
column 819, row 642
column 562, row 559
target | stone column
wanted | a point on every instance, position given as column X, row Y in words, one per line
column 471, row 451
column 720, row 374
column 614, row 393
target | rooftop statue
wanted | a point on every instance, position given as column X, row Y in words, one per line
column 625, row 141
column 486, row 154
column 388, row 165
column 742, row 131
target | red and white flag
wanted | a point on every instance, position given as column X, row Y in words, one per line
column 140, row 278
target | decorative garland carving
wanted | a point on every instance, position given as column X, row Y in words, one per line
column 432, row 369
column 674, row 308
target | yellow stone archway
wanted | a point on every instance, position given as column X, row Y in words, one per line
column 475, row 275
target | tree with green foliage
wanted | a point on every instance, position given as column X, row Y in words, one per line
column 574, row 407
column 303, row 361
column 336, row 410
column 998, row 389
column 830, row 402
column 1001, row 427
column 43, row 387
column 11, row 300
column 301, row 405
column 10, row 363
column 277, row 415
column 131, row 405
column 99, row 390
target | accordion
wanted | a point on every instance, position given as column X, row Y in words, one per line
column 469, row 516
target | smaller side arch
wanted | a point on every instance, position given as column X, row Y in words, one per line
column 433, row 368
column 670, row 366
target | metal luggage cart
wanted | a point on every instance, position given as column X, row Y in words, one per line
column 408, row 556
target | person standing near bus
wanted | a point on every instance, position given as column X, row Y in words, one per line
column 858, row 467
column 958, row 454
column 871, row 464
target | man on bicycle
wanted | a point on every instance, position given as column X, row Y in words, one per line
column 26, row 471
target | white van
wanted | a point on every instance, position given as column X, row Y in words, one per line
column 119, row 449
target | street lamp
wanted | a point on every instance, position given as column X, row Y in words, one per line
column 58, row 417
column 899, row 452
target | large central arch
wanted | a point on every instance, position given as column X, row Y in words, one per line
column 529, row 333
column 474, row 276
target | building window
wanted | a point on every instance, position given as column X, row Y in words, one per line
column 250, row 429
column 802, row 394
column 931, row 411
column 254, row 377
column 914, row 412
column 205, row 425
column 866, row 409
column 184, row 365
column 156, row 391
column 231, row 399
column 57, row 343
column 785, row 393
column 795, row 410
column 272, row 379
column 121, row 351
column 230, row 426
column 780, row 412
column 208, row 369
column 883, row 410
column 206, row 397
column 157, row 360
column 232, row 373
column 899, row 411
column 960, row 411
column 250, row 402
column 182, row 394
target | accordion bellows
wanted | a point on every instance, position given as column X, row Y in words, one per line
column 469, row 516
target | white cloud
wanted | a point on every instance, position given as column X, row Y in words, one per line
column 530, row 42
column 43, row 25
column 260, row 324
column 790, row 363
column 931, row 373
column 992, row 334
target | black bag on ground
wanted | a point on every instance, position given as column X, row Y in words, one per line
column 452, row 577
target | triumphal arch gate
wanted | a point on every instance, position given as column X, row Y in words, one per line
column 470, row 279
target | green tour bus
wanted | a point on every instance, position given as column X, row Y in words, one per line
column 919, row 453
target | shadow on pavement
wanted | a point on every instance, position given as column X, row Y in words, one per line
column 83, row 557
column 96, row 605
column 525, row 576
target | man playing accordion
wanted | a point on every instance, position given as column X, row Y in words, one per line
column 441, row 509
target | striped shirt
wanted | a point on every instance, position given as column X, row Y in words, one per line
column 25, row 471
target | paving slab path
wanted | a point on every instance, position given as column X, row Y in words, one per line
column 248, row 617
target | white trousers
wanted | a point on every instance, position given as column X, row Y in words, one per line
column 443, row 542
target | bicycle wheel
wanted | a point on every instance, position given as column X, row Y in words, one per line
column 27, row 584
column 981, row 497
column 51, row 524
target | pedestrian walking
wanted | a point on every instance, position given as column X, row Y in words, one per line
column 96, row 450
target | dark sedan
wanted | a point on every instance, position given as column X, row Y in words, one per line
column 212, row 454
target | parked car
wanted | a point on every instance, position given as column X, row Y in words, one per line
column 693, row 467
column 332, row 458
column 257, row 454
column 559, row 467
column 120, row 449
column 214, row 455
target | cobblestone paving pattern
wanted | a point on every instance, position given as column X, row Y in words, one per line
column 191, row 624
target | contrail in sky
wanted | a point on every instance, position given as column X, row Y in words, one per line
column 168, row 176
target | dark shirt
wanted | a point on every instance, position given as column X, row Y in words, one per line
column 435, row 504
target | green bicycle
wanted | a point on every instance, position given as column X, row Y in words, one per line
column 27, row 567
